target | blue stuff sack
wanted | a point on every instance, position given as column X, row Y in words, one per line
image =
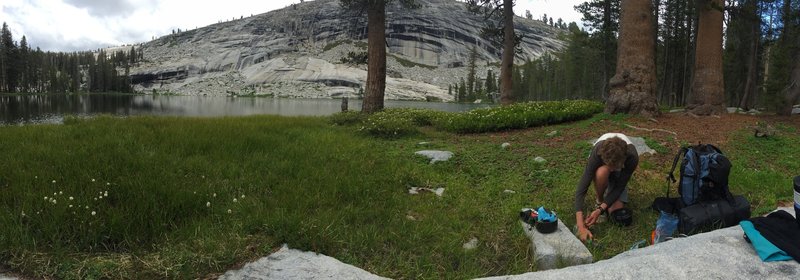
column 546, row 216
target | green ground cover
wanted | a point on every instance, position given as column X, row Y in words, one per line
column 148, row 197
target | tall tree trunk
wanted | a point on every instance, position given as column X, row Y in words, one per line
column 752, row 60
column 791, row 93
column 633, row 85
column 708, row 90
column 506, row 87
column 376, row 64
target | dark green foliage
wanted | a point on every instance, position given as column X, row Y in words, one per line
column 23, row 69
column 356, row 58
column 347, row 118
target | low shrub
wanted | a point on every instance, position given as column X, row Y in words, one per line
column 389, row 124
column 519, row 115
column 348, row 118
column 398, row 122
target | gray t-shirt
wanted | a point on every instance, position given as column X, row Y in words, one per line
column 617, row 181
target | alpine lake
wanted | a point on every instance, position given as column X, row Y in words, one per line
column 25, row 109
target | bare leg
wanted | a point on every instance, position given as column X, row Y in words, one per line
column 601, row 182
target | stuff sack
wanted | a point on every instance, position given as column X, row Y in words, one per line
column 713, row 214
column 703, row 174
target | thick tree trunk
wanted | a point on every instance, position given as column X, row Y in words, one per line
column 752, row 64
column 506, row 88
column 708, row 90
column 633, row 85
column 791, row 94
column 376, row 64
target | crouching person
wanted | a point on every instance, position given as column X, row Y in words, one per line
column 610, row 166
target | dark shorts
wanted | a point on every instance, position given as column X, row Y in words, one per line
column 622, row 197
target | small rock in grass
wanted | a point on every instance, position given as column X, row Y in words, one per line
column 552, row 133
column 539, row 160
column 472, row 244
column 509, row 191
column 436, row 155
column 505, row 145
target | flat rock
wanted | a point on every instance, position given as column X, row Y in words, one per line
column 435, row 155
column 505, row 145
column 539, row 160
column 681, row 110
column 720, row 254
column 552, row 133
column 3, row 277
column 795, row 111
column 560, row 247
column 294, row 264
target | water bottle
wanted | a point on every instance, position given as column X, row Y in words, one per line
column 797, row 199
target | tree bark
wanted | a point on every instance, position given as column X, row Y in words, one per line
column 506, row 89
column 791, row 94
column 708, row 90
column 752, row 61
column 376, row 64
column 633, row 85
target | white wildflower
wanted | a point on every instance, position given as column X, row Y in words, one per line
column 87, row 206
column 215, row 195
column 92, row 180
column 108, row 184
column 54, row 181
column 234, row 200
column 60, row 192
column 229, row 211
column 70, row 206
column 242, row 196
column 208, row 204
column 71, row 198
column 46, row 198
column 105, row 194
column 93, row 213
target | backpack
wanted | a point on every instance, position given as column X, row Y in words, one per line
column 703, row 175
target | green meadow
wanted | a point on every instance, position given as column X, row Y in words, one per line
column 161, row 197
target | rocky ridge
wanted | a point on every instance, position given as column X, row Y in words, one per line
column 297, row 51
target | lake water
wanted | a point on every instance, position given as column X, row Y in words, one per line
column 29, row 109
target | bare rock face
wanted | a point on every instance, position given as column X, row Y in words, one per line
column 297, row 52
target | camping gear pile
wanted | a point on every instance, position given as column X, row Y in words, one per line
column 705, row 200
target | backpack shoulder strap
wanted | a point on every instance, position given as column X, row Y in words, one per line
column 670, row 175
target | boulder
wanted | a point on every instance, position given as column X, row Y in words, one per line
column 294, row 264
column 720, row 254
column 559, row 248
column 435, row 155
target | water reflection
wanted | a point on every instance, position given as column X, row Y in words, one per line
column 27, row 109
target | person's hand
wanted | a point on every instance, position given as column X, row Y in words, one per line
column 592, row 219
column 584, row 234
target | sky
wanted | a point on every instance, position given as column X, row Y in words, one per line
column 75, row 25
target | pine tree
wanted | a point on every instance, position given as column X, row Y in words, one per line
column 376, row 39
